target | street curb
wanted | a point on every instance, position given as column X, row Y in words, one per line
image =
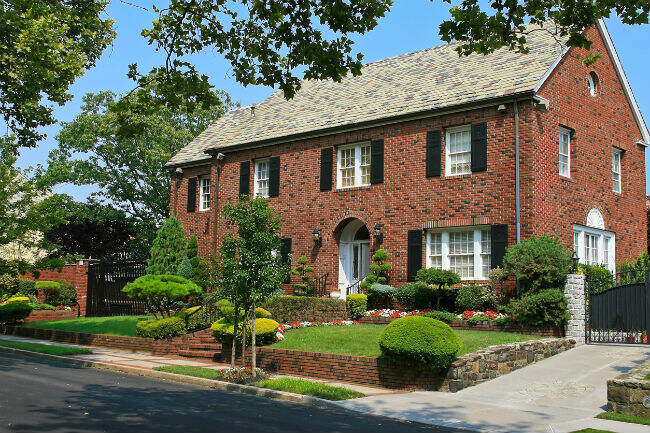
column 180, row 378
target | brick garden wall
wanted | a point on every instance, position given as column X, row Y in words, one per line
column 467, row 370
column 407, row 199
column 76, row 273
column 42, row 315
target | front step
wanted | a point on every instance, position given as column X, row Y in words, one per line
column 214, row 347
column 205, row 354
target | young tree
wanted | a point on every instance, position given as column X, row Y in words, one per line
column 168, row 250
column 307, row 285
column 251, row 269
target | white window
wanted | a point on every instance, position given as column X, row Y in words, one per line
column 466, row 251
column 592, row 80
column 616, row 170
column 594, row 246
column 353, row 166
column 565, row 152
column 204, row 201
column 261, row 185
column 459, row 151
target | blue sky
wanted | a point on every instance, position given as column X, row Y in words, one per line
column 410, row 26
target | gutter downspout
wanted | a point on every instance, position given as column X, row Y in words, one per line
column 217, row 165
column 517, row 192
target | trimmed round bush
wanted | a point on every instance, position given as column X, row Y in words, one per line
column 265, row 331
column 195, row 318
column 546, row 308
column 12, row 312
column 380, row 296
column 160, row 329
column 420, row 341
column 356, row 305
column 50, row 289
column 261, row 313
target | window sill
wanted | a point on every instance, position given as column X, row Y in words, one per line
column 352, row 188
column 567, row 179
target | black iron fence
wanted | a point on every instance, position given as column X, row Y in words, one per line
column 105, row 283
column 618, row 307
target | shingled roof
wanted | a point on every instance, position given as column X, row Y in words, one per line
column 431, row 79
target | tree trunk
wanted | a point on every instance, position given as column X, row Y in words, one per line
column 254, row 346
column 234, row 338
column 243, row 340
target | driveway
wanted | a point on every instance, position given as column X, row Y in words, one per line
column 557, row 394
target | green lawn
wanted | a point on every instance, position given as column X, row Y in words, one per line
column 591, row 430
column 117, row 325
column 202, row 372
column 361, row 340
column 44, row 348
column 307, row 387
column 615, row 416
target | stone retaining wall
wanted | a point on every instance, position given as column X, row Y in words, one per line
column 487, row 325
column 627, row 392
column 42, row 315
column 169, row 346
column 468, row 370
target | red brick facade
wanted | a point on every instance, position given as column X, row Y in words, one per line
column 76, row 273
column 407, row 199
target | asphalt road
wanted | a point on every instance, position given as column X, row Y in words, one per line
column 44, row 396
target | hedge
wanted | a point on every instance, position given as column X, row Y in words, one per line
column 14, row 311
column 265, row 331
column 286, row 309
column 160, row 329
column 356, row 305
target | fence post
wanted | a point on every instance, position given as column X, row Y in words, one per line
column 647, row 301
column 574, row 290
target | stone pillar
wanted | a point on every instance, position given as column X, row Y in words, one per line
column 574, row 290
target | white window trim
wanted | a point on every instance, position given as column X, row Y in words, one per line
column 203, row 203
column 357, row 165
column 601, row 234
column 448, row 132
column 618, row 152
column 256, row 193
column 478, row 258
column 568, row 155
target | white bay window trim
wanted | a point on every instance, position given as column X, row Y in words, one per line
column 594, row 246
column 353, row 165
column 204, row 195
column 440, row 254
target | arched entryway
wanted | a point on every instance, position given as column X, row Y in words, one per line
column 354, row 254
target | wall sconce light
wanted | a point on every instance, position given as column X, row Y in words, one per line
column 377, row 234
column 575, row 259
column 317, row 237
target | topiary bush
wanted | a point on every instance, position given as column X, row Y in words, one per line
column 539, row 263
column 443, row 316
column 356, row 305
column 162, row 293
column 415, row 296
column 265, row 331
column 50, row 289
column 546, row 308
column 472, row 297
column 307, row 285
column 379, row 270
column 420, row 341
column 160, row 329
column 441, row 281
column 13, row 312
column 380, row 296
column 67, row 294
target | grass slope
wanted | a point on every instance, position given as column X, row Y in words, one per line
column 615, row 416
column 361, row 340
column 307, row 387
column 116, row 325
column 44, row 348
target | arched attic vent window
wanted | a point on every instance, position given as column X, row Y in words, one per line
column 362, row 234
column 592, row 80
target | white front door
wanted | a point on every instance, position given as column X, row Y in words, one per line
column 354, row 263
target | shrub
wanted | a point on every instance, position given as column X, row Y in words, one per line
column 14, row 311
column 8, row 284
column 497, row 294
column 67, row 294
column 168, row 249
column 477, row 318
column 51, row 291
column 379, row 269
column 185, row 269
column 195, row 318
column 160, row 329
column 26, row 286
column 161, row 292
column 632, row 271
column 356, row 305
column 472, row 297
column 440, row 280
column 420, row 341
column 286, row 309
column 18, row 299
column 546, row 308
column 415, row 296
column 307, row 286
column 380, row 296
column 265, row 331
column 443, row 316
column 598, row 278
column 540, row 263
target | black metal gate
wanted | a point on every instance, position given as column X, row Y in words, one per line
column 618, row 308
column 105, row 283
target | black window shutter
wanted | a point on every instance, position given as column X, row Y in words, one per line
column 499, row 235
column 376, row 161
column 191, row 194
column 479, row 146
column 414, row 254
column 245, row 178
column 285, row 253
column 274, row 176
column 326, row 161
column 434, row 153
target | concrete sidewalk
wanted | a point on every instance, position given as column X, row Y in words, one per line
column 559, row 394
column 149, row 361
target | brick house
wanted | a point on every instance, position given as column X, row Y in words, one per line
column 442, row 161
